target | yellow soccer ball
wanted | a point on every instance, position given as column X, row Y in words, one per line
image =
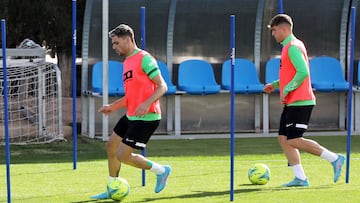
column 118, row 189
column 259, row 174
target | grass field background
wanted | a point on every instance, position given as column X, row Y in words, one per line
column 44, row 173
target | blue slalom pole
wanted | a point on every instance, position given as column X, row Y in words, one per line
column 350, row 78
column 143, row 47
column 74, row 82
column 281, row 11
column 232, row 106
column 6, row 110
column 280, row 7
column 143, row 28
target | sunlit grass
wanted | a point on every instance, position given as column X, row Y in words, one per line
column 201, row 172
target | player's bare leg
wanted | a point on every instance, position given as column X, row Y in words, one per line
column 312, row 147
column 306, row 145
column 113, row 163
column 293, row 156
column 111, row 148
column 125, row 155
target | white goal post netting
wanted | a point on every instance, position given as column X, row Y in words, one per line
column 34, row 102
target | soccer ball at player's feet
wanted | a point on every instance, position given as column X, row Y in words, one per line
column 118, row 189
column 259, row 174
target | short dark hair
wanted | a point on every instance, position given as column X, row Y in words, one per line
column 279, row 19
column 121, row 31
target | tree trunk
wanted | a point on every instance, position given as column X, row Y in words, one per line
column 65, row 65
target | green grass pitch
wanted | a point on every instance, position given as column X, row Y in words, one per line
column 44, row 173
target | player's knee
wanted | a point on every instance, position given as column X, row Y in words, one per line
column 282, row 140
column 124, row 153
column 110, row 147
column 296, row 142
column 123, row 157
column 113, row 143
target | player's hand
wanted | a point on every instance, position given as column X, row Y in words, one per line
column 106, row 109
column 142, row 110
column 268, row 88
column 283, row 99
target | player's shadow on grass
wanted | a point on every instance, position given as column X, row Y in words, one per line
column 279, row 188
column 199, row 194
column 97, row 200
column 196, row 194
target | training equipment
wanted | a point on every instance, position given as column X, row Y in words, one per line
column 232, row 106
column 6, row 112
column 143, row 47
column 350, row 93
column 259, row 174
column 34, row 104
column 118, row 189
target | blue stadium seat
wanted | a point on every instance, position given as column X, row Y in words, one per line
column 246, row 80
column 165, row 73
column 197, row 77
column 358, row 78
column 272, row 71
column 115, row 82
column 326, row 75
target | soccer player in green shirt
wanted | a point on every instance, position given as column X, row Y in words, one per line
column 298, row 99
column 143, row 86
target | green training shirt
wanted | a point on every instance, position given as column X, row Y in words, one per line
column 151, row 68
column 302, row 71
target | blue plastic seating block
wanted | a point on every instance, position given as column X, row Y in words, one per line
column 165, row 74
column 197, row 77
column 272, row 71
column 326, row 75
column 358, row 78
column 115, row 75
column 246, row 80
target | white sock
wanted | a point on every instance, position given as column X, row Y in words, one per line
column 299, row 171
column 328, row 155
column 112, row 178
column 157, row 168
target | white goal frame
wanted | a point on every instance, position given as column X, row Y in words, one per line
column 34, row 102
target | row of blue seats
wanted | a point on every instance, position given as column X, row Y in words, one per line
column 197, row 76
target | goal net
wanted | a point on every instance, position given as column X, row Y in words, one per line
column 34, row 102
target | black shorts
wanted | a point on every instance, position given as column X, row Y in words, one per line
column 135, row 133
column 294, row 121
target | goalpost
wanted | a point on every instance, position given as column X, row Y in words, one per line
column 30, row 99
column 34, row 102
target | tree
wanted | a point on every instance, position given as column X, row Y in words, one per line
column 48, row 23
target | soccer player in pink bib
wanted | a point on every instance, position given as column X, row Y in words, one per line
column 298, row 99
column 143, row 86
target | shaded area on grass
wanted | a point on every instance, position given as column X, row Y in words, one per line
column 90, row 149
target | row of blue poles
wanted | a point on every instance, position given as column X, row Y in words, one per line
column 143, row 46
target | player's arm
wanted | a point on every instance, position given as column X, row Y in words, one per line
column 270, row 87
column 151, row 68
column 119, row 103
column 298, row 60
column 160, row 90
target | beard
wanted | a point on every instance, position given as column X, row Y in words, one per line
column 120, row 53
